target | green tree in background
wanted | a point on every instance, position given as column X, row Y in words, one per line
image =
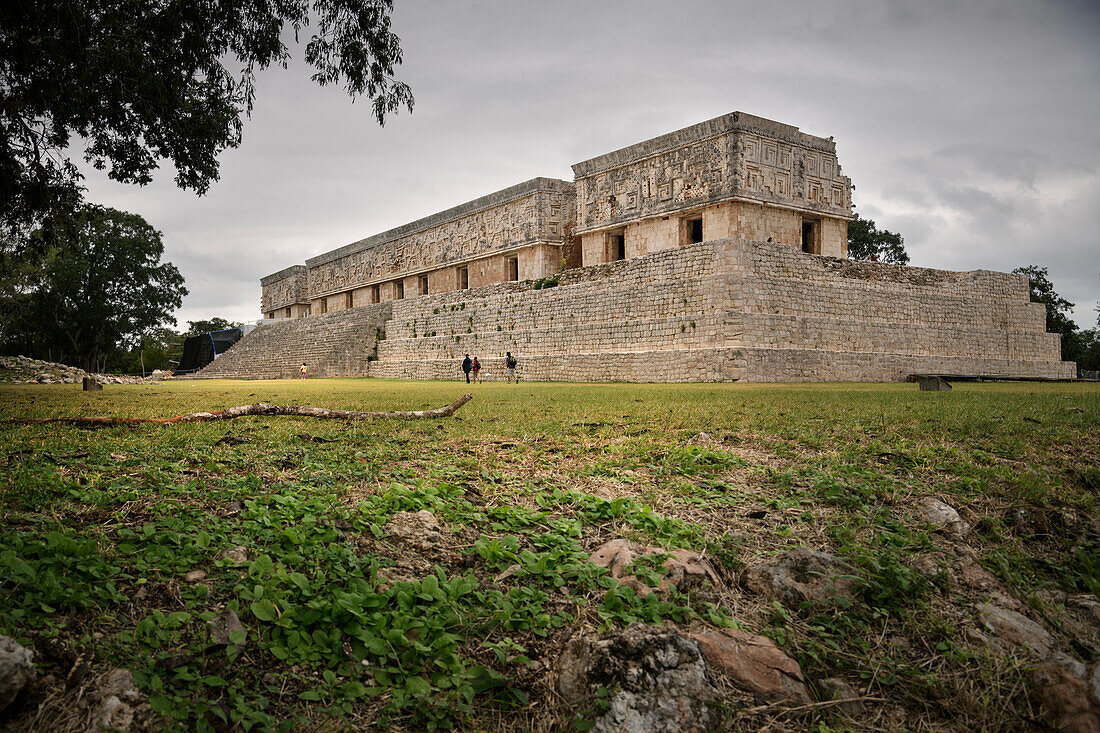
column 142, row 82
column 101, row 289
column 195, row 328
column 866, row 241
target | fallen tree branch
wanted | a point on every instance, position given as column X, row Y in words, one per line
column 260, row 408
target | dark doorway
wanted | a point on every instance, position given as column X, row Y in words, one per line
column 695, row 234
column 618, row 247
column 512, row 268
column 808, row 237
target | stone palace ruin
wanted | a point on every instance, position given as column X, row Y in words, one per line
column 713, row 253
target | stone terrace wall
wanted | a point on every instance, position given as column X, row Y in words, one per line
column 331, row 345
column 807, row 318
column 658, row 318
column 712, row 311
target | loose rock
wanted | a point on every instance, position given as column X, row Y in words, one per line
column 16, row 669
column 1062, row 687
column 753, row 663
column 683, row 568
column 1016, row 629
column 801, row 575
column 237, row 555
column 195, row 576
column 121, row 706
column 834, row 688
column 224, row 624
column 417, row 530
column 658, row 680
column 945, row 517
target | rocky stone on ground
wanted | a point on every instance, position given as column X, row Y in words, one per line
column 1070, row 696
column 847, row 697
column 223, row 625
column 117, row 704
column 753, row 663
column 796, row 576
column 194, row 576
column 1015, row 629
column 682, row 568
column 16, row 669
column 416, row 530
column 657, row 680
column 237, row 555
column 945, row 517
column 24, row 370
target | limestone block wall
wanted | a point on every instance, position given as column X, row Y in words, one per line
column 805, row 318
column 331, row 345
column 611, row 322
column 718, row 310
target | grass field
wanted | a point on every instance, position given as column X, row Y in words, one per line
column 346, row 629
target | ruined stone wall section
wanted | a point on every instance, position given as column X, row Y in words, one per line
column 533, row 212
column 719, row 310
column 331, row 345
column 284, row 289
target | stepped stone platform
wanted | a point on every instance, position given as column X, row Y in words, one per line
column 713, row 311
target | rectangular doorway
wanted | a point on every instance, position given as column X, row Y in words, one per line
column 618, row 246
column 511, row 268
column 809, row 237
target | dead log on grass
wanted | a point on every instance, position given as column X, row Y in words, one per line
column 260, row 408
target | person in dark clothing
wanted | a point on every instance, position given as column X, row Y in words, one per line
column 510, row 364
column 467, row 365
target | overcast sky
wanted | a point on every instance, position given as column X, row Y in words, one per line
column 970, row 127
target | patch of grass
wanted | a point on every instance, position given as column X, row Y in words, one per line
column 348, row 628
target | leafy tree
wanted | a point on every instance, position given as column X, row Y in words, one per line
column 194, row 328
column 866, row 241
column 142, row 82
column 157, row 349
column 102, row 289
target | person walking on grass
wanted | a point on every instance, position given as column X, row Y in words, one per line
column 477, row 370
column 467, row 365
column 302, row 371
column 510, row 365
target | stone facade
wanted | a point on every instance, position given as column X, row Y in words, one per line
column 286, row 293
column 519, row 233
column 712, row 311
column 714, row 253
column 736, row 176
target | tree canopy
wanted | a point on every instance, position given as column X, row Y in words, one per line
column 866, row 241
column 195, row 328
column 102, row 287
column 145, row 81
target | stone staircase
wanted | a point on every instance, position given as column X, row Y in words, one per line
column 333, row 344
